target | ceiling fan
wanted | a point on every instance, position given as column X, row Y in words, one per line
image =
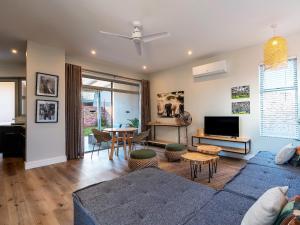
column 137, row 36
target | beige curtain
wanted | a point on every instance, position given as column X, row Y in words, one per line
column 145, row 104
column 74, row 148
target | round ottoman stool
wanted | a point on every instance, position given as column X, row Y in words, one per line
column 143, row 158
column 174, row 151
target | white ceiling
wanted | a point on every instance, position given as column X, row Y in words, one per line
column 7, row 43
column 207, row 27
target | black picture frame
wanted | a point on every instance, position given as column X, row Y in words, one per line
column 43, row 118
column 46, row 85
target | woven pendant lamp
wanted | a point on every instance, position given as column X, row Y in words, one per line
column 275, row 52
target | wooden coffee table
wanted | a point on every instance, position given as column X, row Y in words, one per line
column 209, row 149
column 197, row 159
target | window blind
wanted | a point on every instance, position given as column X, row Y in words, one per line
column 279, row 101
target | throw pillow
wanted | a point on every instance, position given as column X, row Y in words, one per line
column 285, row 154
column 267, row 208
column 288, row 214
column 298, row 150
column 295, row 160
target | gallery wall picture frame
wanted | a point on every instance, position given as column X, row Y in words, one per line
column 241, row 107
column 240, row 92
column 46, row 85
column 170, row 104
column 46, row 111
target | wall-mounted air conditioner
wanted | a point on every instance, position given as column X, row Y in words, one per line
column 210, row 69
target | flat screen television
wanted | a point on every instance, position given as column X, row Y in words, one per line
column 221, row 125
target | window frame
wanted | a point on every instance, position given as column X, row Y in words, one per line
column 113, row 90
column 297, row 100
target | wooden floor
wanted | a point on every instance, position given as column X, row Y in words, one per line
column 43, row 195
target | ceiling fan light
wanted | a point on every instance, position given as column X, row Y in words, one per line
column 275, row 52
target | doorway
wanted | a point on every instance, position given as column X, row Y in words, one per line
column 108, row 103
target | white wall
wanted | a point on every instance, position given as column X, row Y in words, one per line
column 45, row 142
column 104, row 67
column 211, row 95
column 12, row 69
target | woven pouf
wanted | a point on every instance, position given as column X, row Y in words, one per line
column 143, row 158
column 174, row 151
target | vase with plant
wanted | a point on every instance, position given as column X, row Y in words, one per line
column 134, row 122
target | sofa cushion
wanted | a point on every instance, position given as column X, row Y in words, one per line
column 142, row 154
column 225, row 208
column 265, row 158
column 285, row 154
column 267, row 208
column 147, row 196
column 254, row 180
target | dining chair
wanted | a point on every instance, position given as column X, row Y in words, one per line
column 101, row 137
column 140, row 138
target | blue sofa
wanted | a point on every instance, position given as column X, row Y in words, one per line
column 152, row 196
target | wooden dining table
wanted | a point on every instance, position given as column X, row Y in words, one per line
column 124, row 134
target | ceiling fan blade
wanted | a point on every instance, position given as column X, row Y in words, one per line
column 138, row 46
column 115, row 35
column 152, row 37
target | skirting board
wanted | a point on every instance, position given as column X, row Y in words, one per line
column 45, row 162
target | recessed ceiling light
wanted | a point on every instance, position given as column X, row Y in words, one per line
column 190, row 52
column 144, row 67
column 14, row 51
column 93, row 52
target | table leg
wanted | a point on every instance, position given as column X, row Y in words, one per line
column 249, row 145
column 113, row 139
column 178, row 135
column 129, row 144
column 191, row 170
column 209, row 172
column 124, row 142
column 212, row 169
column 195, row 170
column 186, row 136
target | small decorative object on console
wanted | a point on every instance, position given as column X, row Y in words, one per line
column 184, row 118
column 200, row 131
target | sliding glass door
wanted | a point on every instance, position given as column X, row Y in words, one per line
column 126, row 105
column 107, row 103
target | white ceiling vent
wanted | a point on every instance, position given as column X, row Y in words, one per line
column 210, row 69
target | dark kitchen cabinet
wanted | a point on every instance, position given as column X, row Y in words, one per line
column 12, row 141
